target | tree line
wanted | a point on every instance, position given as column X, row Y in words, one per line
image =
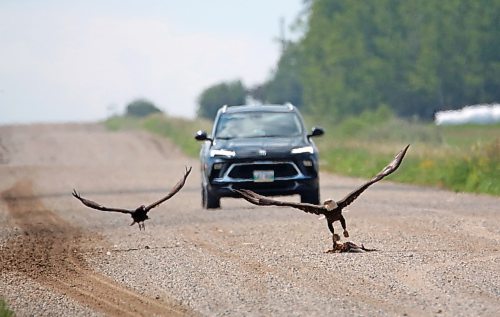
column 414, row 57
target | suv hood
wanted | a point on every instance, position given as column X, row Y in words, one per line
column 252, row 147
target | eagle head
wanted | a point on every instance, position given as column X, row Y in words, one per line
column 330, row 204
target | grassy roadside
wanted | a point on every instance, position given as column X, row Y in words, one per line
column 4, row 310
column 459, row 158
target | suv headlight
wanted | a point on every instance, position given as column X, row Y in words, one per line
column 305, row 149
column 222, row 152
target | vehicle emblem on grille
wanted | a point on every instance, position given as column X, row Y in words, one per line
column 262, row 152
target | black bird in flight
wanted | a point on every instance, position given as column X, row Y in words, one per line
column 140, row 214
column 331, row 209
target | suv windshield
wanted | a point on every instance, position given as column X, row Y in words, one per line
column 258, row 124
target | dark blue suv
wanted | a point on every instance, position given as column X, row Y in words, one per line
column 264, row 148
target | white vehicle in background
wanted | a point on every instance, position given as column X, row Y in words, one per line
column 477, row 114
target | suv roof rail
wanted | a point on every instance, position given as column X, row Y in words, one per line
column 289, row 105
column 224, row 108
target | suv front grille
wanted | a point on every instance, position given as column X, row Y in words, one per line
column 279, row 185
column 246, row 171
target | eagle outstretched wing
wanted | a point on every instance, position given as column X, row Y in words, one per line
column 93, row 204
column 173, row 191
column 389, row 169
column 260, row 200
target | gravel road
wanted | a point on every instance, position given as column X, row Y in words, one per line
column 438, row 251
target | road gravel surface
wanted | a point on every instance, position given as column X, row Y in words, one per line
column 438, row 251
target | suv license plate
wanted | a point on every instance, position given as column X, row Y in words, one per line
column 263, row 176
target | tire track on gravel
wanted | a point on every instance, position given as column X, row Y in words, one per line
column 48, row 251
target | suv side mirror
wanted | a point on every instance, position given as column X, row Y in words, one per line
column 202, row 136
column 316, row 131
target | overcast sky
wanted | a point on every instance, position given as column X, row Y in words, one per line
column 83, row 60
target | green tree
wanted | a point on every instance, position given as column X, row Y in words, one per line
column 141, row 108
column 414, row 56
column 226, row 93
column 285, row 84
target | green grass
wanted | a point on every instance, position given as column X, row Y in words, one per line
column 460, row 158
column 4, row 310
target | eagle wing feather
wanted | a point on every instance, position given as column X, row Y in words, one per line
column 173, row 191
column 260, row 200
column 94, row 205
column 389, row 169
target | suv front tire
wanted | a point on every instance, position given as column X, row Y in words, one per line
column 209, row 200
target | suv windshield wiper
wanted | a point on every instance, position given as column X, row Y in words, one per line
column 273, row 136
column 254, row 136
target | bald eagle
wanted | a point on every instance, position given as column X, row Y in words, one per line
column 331, row 209
column 140, row 214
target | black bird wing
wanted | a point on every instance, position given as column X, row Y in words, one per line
column 93, row 204
column 173, row 191
column 389, row 169
column 260, row 200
